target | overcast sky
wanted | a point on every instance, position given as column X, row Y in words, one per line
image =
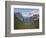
column 24, row 10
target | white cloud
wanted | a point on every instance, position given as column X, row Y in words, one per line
column 29, row 14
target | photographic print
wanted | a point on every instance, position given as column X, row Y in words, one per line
column 26, row 18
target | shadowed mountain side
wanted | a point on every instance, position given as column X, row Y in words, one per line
column 21, row 22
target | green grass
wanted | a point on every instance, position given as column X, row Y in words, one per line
column 21, row 25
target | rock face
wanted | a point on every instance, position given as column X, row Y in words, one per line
column 22, row 22
column 33, row 18
column 18, row 16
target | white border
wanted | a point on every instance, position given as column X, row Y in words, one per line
column 26, row 30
